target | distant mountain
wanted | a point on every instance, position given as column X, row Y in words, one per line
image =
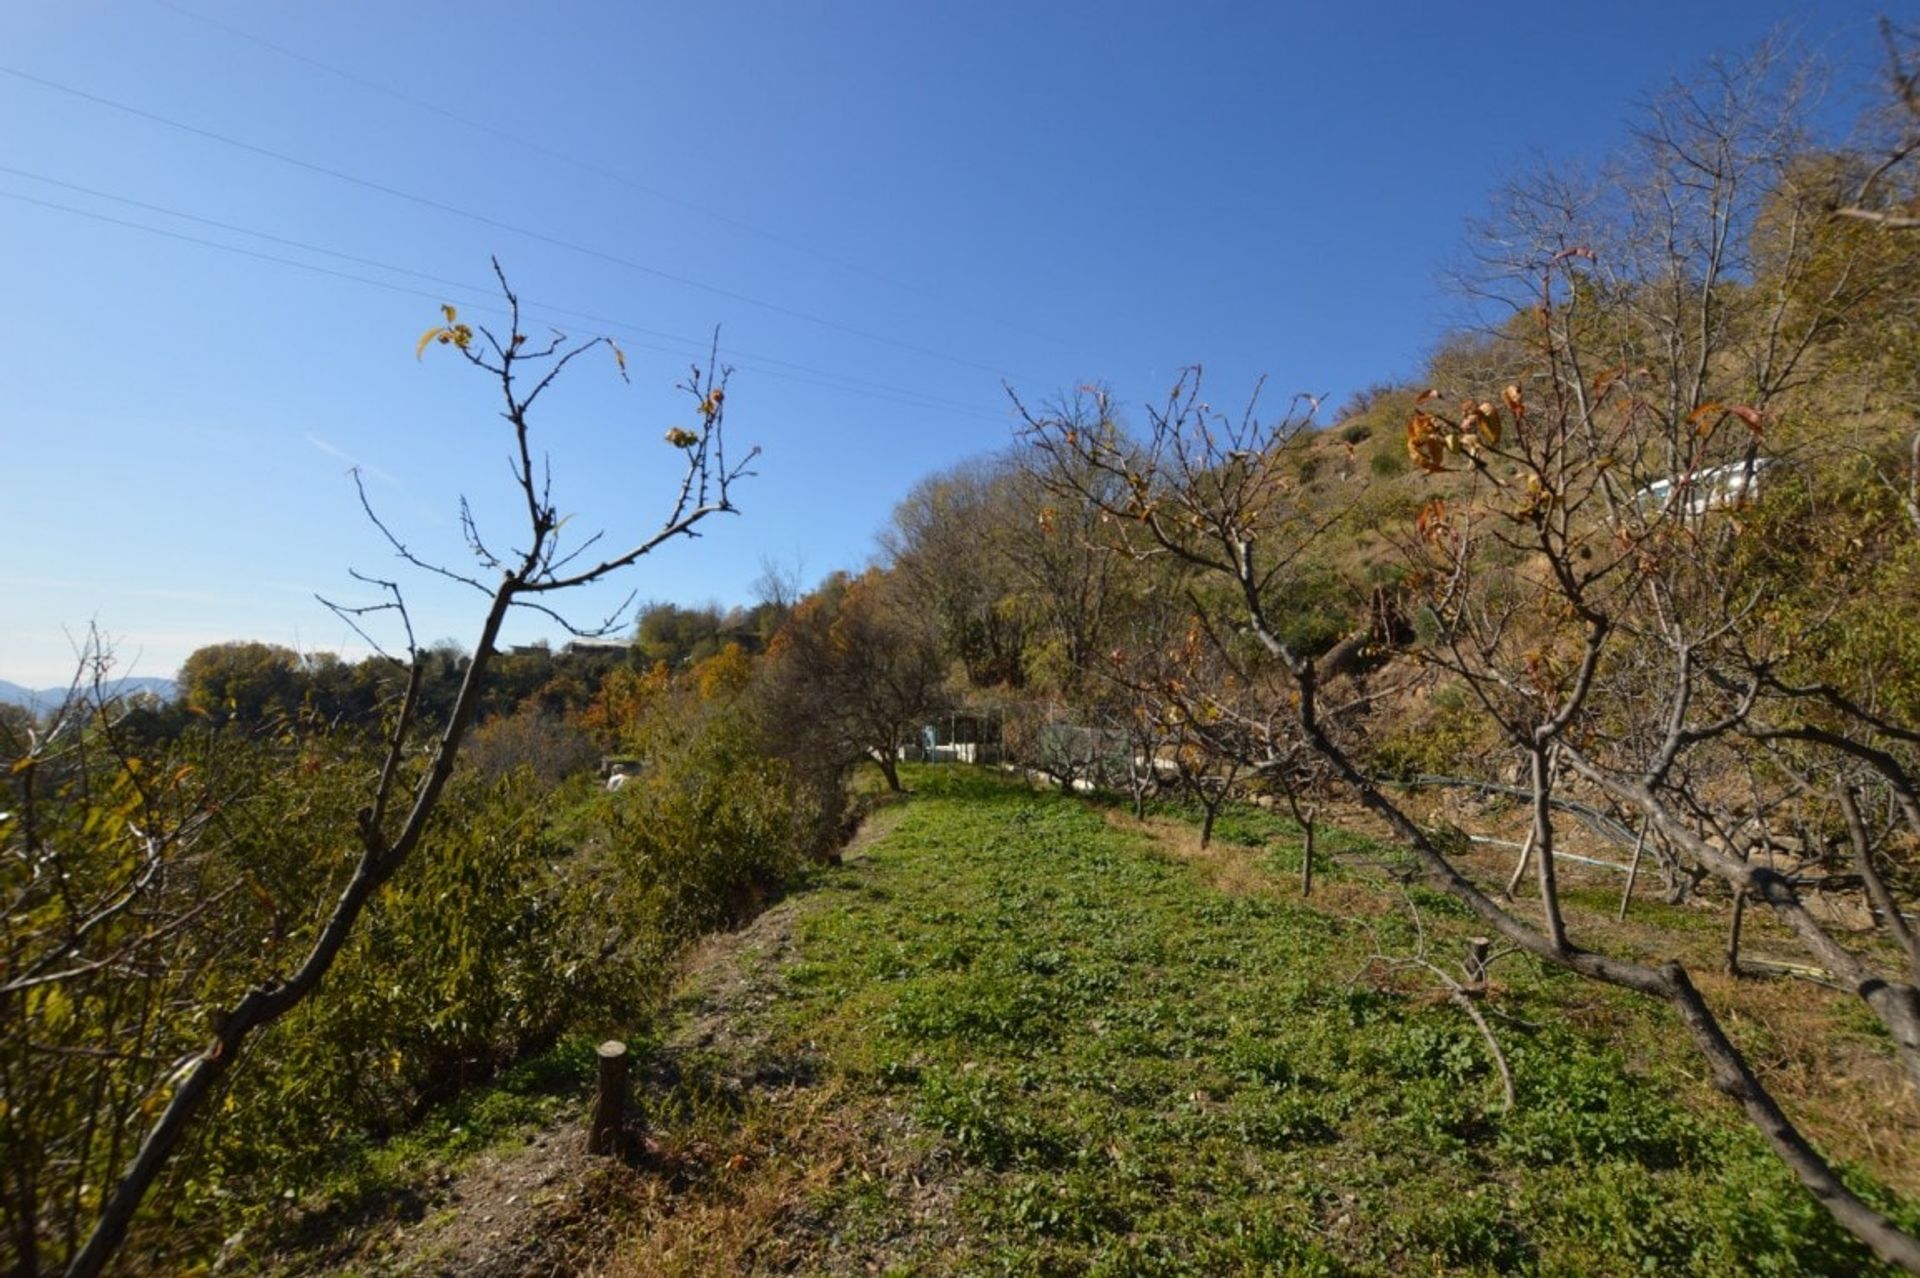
column 41, row 699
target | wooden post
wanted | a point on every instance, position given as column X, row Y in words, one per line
column 1306, row 855
column 1520, row 868
column 1633, row 871
column 1477, row 947
column 610, row 1105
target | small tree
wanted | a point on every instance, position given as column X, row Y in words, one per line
column 944, row 549
column 245, row 683
column 853, row 673
column 402, row 799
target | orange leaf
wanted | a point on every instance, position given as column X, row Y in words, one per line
column 1426, row 444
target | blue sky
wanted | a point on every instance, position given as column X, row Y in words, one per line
column 888, row 208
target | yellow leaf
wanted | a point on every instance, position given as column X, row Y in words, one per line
column 420, row 351
column 619, row 356
column 1484, row 421
column 49, row 1006
column 449, row 312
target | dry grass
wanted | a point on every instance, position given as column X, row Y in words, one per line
column 1224, row 867
column 1842, row 1087
column 1840, row 1082
column 728, row 1201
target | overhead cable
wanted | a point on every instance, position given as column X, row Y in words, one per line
column 407, row 290
column 483, row 219
column 694, row 345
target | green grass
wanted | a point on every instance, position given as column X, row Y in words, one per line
column 1120, row 1070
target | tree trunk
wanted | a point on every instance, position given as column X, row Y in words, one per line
column 1734, row 925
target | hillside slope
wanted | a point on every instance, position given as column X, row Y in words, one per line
column 1016, row 1038
column 1016, row 1033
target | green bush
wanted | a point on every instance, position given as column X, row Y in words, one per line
column 527, row 912
column 702, row 835
column 1387, row 463
column 1443, row 736
column 480, row 951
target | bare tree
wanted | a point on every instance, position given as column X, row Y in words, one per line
column 402, row 801
column 1633, row 653
column 1171, row 688
column 1211, row 493
column 1188, row 504
column 1592, row 576
column 1133, row 673
column 1065, row 579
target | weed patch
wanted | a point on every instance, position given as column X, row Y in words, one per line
column 1074, row 1053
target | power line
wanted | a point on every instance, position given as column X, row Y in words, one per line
column 483, row 306
column 553, row 153
column 694, row 345
column 496, row 223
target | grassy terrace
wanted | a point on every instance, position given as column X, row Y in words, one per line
column 1018, row 1035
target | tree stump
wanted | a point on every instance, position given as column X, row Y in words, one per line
column 1477, row 947
column 610, row 1104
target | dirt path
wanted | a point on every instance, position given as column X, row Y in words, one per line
column 541, row 1206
